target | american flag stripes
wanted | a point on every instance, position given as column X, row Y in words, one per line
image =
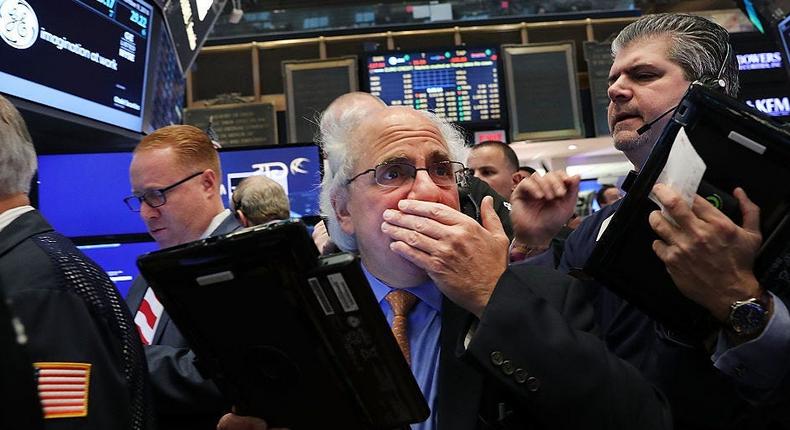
column 63, row 388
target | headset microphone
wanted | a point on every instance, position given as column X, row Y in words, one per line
column 643, row 129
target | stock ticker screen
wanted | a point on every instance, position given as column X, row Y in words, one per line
column 87, row 57
column 461, row 85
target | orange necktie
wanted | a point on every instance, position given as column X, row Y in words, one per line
column 401, row 302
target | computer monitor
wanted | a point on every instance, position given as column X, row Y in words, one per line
column 118, row 259
column 296, row 167
column 87, row 58
column 460, row 84
column 82, row 194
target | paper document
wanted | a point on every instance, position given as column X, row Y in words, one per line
column 683, row 171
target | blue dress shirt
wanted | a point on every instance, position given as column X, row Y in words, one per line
column 424, row 326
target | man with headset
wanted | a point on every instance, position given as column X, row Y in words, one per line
column 709, row 257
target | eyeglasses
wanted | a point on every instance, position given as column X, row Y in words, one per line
column 154, row 198
column 396, row 174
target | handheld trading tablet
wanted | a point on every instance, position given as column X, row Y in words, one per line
column 287, row 336
column 741, row 147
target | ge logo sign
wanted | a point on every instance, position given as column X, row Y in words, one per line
column 18, row 23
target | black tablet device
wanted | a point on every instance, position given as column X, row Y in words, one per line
column 287, row 336
column 741, row 147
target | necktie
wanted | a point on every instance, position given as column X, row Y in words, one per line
column 147, row 316
column 401, row 302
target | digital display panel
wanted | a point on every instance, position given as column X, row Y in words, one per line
column 82, row 194
column 461, row 85
column 119, row 260
column 759, row 59
column 84, row 57
column 297, row 168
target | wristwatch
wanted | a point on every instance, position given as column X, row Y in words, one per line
column 749, row 317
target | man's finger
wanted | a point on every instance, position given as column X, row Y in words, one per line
column 674, row 205
column 749, row 210
column 416, row 223
column 661, row 249
column 410, row 237
column 489, row 217
column 435, row 211
column 663, row 228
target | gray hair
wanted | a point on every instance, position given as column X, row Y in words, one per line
column 261, row 200
column 338, row 142
column 17, row 154
column 699, row 46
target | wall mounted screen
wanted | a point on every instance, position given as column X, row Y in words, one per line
column 82, row 194
column 460, row 84
column 83, row 57
column 119, row 260
column 297, row 168
column 542, row 91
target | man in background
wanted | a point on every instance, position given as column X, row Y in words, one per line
column 607, row 195
column 88, row 361
column 495, row 163
column 259, row 200
column 175, row 176
column 526, row 171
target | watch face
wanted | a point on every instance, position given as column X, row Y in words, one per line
column 748, row 317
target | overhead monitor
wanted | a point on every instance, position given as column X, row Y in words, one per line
column 460, row 84
column 87, row 58
column 82, row 194
column 759, row 58
column 542, row 91
column 310, row 86
column 297, row 168
column 118, row 259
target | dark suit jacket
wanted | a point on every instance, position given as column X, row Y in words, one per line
column 701, row 397
column 183, row 398
column 73, row 313
column 531, row 363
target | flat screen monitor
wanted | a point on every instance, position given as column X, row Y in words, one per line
column 82, row 194
column 772, row 99
column 759, row 59
column 460, row 84
column 297, row 168
column 118, row 260
column 87, row 58
column 543, row 91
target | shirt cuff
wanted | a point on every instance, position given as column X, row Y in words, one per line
column 760, row 363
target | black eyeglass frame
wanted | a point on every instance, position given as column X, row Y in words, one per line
column 459, row 174
column 161, row 191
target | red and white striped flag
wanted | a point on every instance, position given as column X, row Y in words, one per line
column 147, row 316
column 63, row 388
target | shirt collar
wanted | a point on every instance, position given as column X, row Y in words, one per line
column 426, row 292
column 215, row 222
column 10, row 215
